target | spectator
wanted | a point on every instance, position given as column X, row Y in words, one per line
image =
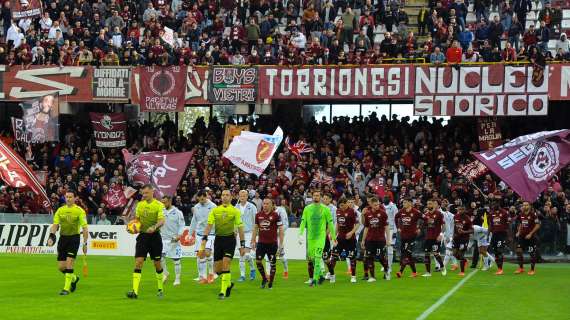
column 530, row 38
column 470, row 55
column 509, row 54
column 102, row 221
column 563, row 45
column 543, row 36
column 423, row 16
column 495, row 33
column 454, row 54
column 514, row 32
column 253, row 33
column 437, row 56
column 348, row 23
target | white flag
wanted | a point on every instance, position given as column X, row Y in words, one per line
column 168, row 36
column 252, row 151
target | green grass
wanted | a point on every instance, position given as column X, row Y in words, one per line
column 30, row 284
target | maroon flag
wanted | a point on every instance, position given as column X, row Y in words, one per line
column 163, row 170
column 162, row 89
column 527, row 163
column 489, row 133
column 109, row 130
column 25, row 9
column 472, row 170
column 17, row 174
column 116, row 197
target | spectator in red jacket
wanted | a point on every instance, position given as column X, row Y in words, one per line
column 455, row 53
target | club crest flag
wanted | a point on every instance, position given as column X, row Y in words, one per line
column 109, row 129
column 162, row 89
column 528, row 162
column 252, row 152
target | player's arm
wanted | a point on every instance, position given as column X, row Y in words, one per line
column 281, row 238
column 535, row 229
column 181, row 225
column 397, row 221
column 211, row 222
column 83, row 224
column 303, row 224
column 159, row 222
column 254, row 235
column 331, row 226
column 192, row 228
column 363, row 237
column 53, row 229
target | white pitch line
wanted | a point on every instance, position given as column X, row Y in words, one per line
column 444, row 298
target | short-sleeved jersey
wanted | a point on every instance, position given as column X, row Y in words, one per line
column 527, row 223
column 226, row 218
column 173, row 223
column 448, row 219
column 345, row 220
column 499, row 222
column 200, row 214
column 70, row 219
column 247, row 213
column 434, row 222
column 407, row 222
column 376, row 222
column 149, row 213
column 461, row 222
column 267, row 224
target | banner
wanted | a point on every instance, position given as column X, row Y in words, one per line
column 489, row 133
column 472, row 170
column 492, row 90
column 233, row 130
column 161, row 169
column 41, row 118
column 527, row 163
column 233, row 85
column 298, row 147
column 109, row 130
column 162, row 88
column 42, row 176
column 19, row 131
column 252, row 152
column 16, row 173
column 115, row 197
column 111, row 83
column 168, row 36
column 25, row 9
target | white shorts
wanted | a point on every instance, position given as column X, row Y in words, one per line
column 393, row 237
column 448, row 243
column 209, row 243
column 483, row 241
column 247, row 238
column 171, row 249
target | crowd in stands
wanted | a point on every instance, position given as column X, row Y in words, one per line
column 270, row 32
column 355, row 157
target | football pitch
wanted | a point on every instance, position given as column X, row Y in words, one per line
column 30, row 285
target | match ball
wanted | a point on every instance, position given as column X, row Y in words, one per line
column 134, row 227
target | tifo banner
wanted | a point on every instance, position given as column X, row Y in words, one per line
column 162, row 88
column 472, row 170
column 491, row 90
column 362, row 83
column 527, row 163
column 25, row 9
column 489, row 133
column 233, row 85
column 41, row 118
column 252, row 152
column 163, row 170
column 20, row 133
column 111, row 83
column 16, row 173
column 115, row 197
column 167, row 35
column 233, row 130
column 109, row 129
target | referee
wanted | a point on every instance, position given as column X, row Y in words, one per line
column 69, row 219
column 226, row 218
column 149, row 213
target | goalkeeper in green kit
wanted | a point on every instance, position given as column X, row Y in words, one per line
column 318, row 221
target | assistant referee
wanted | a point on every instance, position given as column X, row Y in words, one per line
column 69, row 219
column 226, row 218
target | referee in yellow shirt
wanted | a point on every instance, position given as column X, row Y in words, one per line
column 226, row 218
column 149, row 213
column 69, row 219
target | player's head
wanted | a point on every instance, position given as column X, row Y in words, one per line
column 431, row 204
column 70, row 198
column 267, row 205
column 327, row 198
column 525, row 207
column 167, row 201
column 460, row 209
column 226, row 197
column 407, row 203
column 242, row 196
column 445, row 203
column 147, row 192
column 202, row 196
column 374, row 203
column 386, row 200
column 316, row 196
column 343, row 203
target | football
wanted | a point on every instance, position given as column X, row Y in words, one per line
column 134, row 227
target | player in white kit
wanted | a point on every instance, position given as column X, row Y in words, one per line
column 327, row 201
column 391, row 210
column 481, row 235
column 282, row 255
column 448, row 236
column 248, row 211
column 171, row 232
column 198, row 224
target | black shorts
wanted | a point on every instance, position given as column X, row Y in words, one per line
column 374, row 249
column 407, row 246
column 67, row 247
column 528, row 245
column 224, row 247
column 460, row 244
column 266, row 249
column 432, row 245
column 327, row 249
column 149, row 244
column 499, row 242
column 345, row 248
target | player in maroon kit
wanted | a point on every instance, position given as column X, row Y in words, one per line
column 498, row 225
column 346, row 226
column 267, row 223
column 433, row 220
column 526, row 232
column 376, row 236
column 407, row 224
column 463, row 227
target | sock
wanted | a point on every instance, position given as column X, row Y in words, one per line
column 177, row 269
column 285, row 264
column 202, row 268
column 249, row 260
column 242, row 266
column 163, row 264
column 390, row 257
column 349, row 264
column 454, row 260
column 267, row 264
column 261, row 269
column 403, row 264
column 322, row 265
column 159, row 279
column 462, row 264
column 352, row 267
column 136, row 280
column 520, row 260
column 272, row 271
column 210, row 264
column 532, row 261
column 311, row 269
column 500, row 260
column 365, row 267
column 370, row 262
column 384, row 262
column 446, row 260
column 413, row 265
column 427, row 262
column 332, row 264
column 439, row 260
column 226, row 280
column 319, row 268
column 68, row 279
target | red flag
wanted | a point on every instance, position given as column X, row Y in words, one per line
column 163, row 170
column 109, row 129
column 472, row 170
column 162, row 89
column 115, row 198
column 17, row 174
column 298, row 147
